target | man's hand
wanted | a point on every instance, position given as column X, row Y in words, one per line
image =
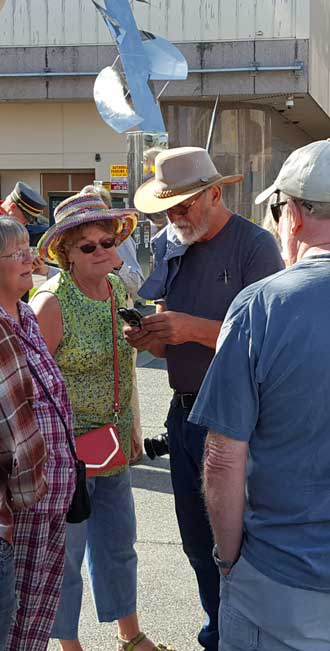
column 139, row 338
column 170, row 327
column 178, row 328
column 225, row 572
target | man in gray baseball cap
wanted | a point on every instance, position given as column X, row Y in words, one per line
column 267, row 394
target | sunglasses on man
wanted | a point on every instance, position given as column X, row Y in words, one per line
column 277, row 206
column 181, row 209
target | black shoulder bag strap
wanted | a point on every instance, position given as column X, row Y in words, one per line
column 80, row 508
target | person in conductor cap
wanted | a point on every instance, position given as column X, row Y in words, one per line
column 23, row 203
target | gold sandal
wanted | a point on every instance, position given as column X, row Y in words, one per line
column 129, row 645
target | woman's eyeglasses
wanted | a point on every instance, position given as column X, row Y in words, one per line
column 20, row 255
column 90, row 248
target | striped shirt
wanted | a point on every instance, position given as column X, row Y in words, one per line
column 22, row 447
column 60, row 465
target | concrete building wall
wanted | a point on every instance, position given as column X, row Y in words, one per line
column 319, row 68
column 57, row 136
column 76, row 22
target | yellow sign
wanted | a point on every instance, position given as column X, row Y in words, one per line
column 118, row 170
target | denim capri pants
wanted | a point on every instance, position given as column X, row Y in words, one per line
column 107, row 538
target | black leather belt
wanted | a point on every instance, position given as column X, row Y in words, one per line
column 186, row 400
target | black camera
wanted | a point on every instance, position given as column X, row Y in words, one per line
column 157, row 446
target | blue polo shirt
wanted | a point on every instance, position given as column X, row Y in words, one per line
column 269, row 384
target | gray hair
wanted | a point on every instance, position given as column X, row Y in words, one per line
column 12, row 233
column 317, row 209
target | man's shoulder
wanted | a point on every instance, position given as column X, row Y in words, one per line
column 250, row 228
column 259, row 294
column 245, row 234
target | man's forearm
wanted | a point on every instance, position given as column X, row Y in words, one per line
column 224, row 489
column 157, row 349
column 204, row 331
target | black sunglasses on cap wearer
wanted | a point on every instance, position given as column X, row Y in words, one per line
column 276, row 208
column 278, row 205
column 90, row 248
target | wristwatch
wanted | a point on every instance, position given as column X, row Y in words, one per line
column 221, row 564
column 117, row 269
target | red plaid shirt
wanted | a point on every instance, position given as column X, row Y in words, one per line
column 22, row 447
column 60, row 466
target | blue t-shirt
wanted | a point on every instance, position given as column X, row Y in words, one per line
column 211, row 274
column 269, row 384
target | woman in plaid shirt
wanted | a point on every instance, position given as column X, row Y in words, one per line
column 39, row 532
column 22, row 458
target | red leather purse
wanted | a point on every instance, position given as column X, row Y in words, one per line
column 101, row 448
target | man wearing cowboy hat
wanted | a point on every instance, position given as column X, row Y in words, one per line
column 204, row 258
column 267, row 394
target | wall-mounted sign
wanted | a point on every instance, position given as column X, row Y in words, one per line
column 119, row 178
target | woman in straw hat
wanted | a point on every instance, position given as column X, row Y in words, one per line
column 74, row 313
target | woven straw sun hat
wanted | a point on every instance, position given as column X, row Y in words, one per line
column 85, row 209
column 179, row 174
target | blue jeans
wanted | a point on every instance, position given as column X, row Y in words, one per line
column 259, row 614
column 186, row 444
column 7, row 590
column 108, row 538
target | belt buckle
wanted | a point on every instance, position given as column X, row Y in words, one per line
column 186, row 400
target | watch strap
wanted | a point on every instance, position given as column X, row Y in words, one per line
column 220, row 563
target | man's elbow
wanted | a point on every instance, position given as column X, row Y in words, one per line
column 223, row 454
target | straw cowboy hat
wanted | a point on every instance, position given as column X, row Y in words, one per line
column 84, row 209
column 179, row 174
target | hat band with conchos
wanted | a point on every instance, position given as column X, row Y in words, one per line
column 174, row 192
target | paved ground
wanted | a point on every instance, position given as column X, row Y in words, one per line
column 168, row 601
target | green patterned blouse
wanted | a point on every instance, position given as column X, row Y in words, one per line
column 85, row 357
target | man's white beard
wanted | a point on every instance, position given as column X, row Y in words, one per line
column 189, row 234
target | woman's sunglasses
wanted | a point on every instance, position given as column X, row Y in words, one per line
column 90, row 248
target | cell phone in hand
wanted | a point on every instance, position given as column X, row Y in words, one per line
column 131, row 316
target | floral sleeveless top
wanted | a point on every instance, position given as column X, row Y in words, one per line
column 85, row 357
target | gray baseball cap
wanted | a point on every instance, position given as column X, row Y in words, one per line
column 304, row 175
